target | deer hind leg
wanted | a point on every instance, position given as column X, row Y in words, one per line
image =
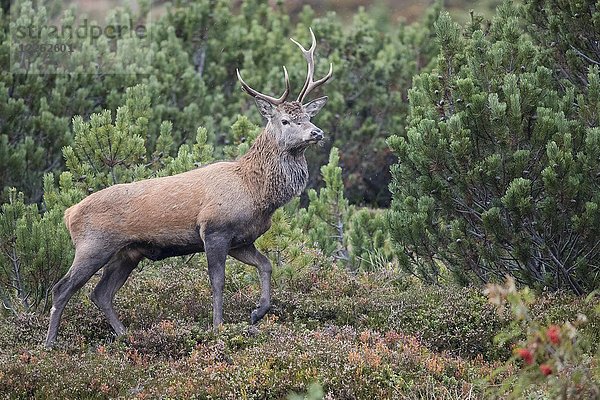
column 88, row 260
column 216, row 247
column 251, row 256
column 114, row 275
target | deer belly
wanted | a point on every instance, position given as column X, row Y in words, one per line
column 173, row 244
column 155, row 253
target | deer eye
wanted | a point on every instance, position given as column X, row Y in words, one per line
column 285, row 121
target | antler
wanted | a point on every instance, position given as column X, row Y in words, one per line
column 309, row 55
column 257, row 94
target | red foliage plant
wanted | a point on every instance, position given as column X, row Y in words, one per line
column 553, row 334
column 546, row 369
column 526, row 355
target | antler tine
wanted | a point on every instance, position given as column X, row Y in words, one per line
column 257, row 94
column 309, row 55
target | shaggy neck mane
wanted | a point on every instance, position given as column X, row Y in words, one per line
column 274, row 175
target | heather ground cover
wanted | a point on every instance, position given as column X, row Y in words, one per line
column 358, row 336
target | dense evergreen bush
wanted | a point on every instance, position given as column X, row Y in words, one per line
column 569, row 31
column 35, row 248
column 34, row 251
column 188, row 62
column 498, row 170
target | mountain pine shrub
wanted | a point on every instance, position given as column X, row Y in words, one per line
column 498, row 171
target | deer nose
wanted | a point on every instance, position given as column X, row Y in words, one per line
column 316, row 134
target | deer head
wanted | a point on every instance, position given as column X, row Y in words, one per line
column 290, row 120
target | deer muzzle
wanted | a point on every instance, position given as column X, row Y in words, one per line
column 316, row 135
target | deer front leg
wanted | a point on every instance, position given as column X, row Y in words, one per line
column 251, row 256
column 216, row 248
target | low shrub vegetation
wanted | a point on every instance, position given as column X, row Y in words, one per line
column 357, row 335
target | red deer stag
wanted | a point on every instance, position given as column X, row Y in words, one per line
column 220, row 209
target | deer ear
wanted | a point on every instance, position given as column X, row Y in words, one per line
column 265, row 108
column 313, row 107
